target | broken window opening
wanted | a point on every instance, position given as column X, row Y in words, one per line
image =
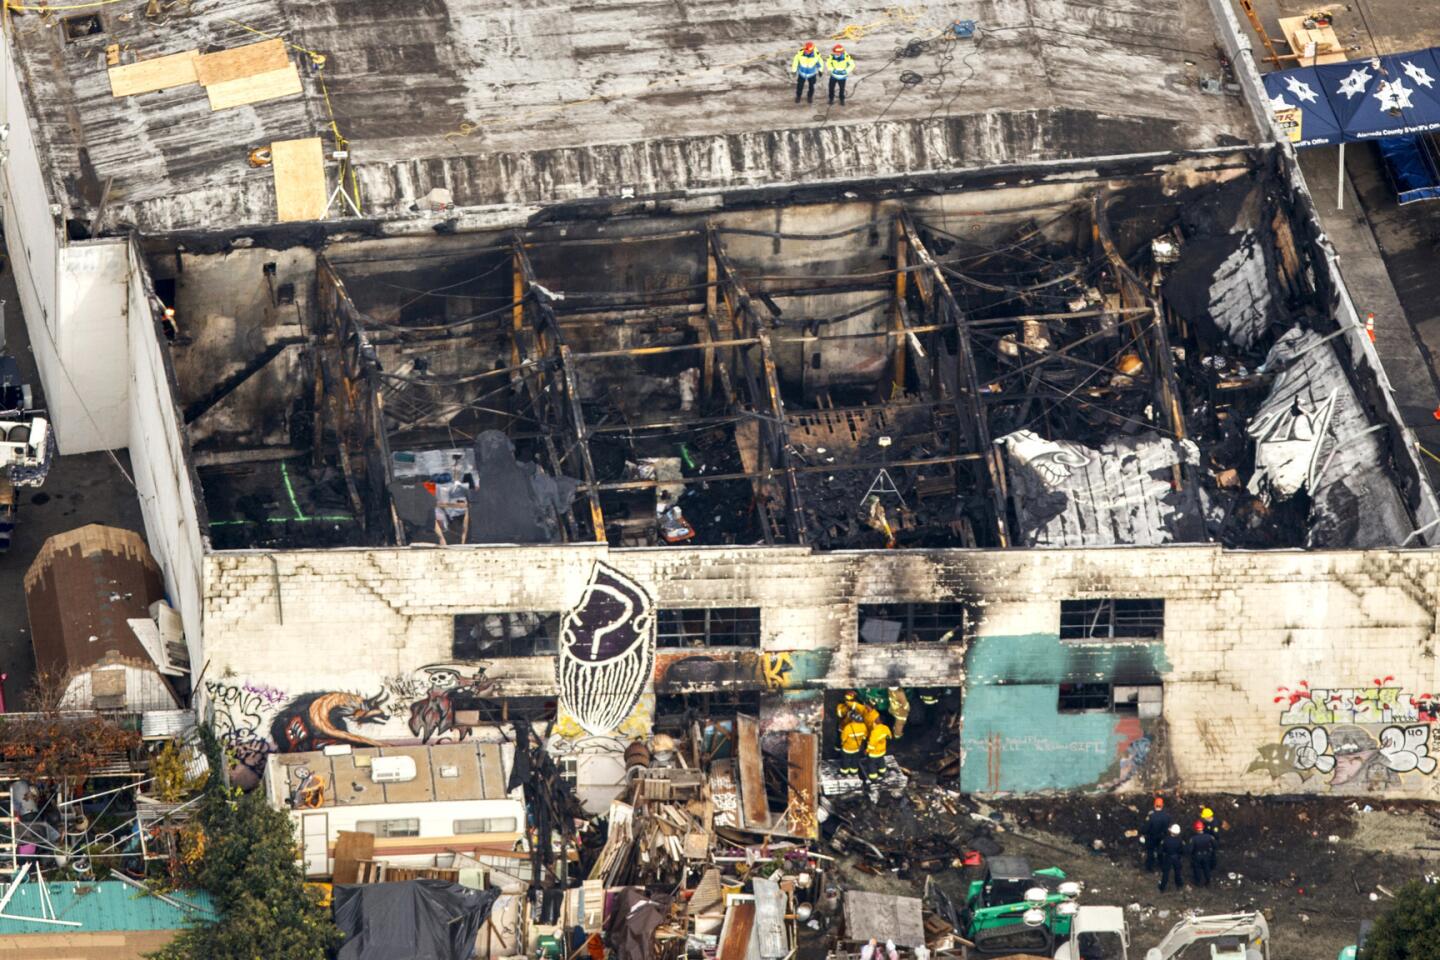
column 709, row 627
column 914, row 622
column 1136, row 700
column 509, row 634
column 404, row 827
column 1112, row 619
column 674, row 713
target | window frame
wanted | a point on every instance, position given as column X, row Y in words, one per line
column 739, row 616
column 936, row 613
column 1123, row 619
column 455, row 825
column 1128, row 707
column 547, row 629
column 385, row 825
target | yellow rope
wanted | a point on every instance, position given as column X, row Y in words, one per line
column 1426, row 452
column 318, row 59
column 45, row 7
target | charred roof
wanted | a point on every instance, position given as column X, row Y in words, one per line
column 1083, row 360
column 523, row 105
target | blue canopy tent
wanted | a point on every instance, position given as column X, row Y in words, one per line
column 1389, row 98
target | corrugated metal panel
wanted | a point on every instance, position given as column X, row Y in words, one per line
column 99, row 906
column 166, row 723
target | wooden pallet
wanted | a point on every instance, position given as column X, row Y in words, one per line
column 379, row 871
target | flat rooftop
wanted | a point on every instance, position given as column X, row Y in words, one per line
column 522, row 105
column 470, row 770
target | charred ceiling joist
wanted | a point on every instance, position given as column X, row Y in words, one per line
column 1139, row 361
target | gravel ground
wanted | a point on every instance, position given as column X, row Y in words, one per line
column 1312, row 865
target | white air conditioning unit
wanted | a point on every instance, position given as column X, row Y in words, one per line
column 392, row 769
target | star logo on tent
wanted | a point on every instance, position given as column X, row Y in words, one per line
column 1394, row 96
column 1418, row 74
column 1301, row 89
column 1355, row 83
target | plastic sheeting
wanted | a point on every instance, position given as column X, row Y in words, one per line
column 414, row 920
column 1393, row 95
column 1411, row 164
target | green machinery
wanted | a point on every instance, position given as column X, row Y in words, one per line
column 1013, row 909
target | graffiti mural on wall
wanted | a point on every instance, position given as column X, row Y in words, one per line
column 253, row 720
column 1362, row 739
column 240, row 720
column 773, row 670
column 317, row 720
column 435, row 692
column 607, row 651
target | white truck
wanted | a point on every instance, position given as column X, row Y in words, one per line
column 1101, row 933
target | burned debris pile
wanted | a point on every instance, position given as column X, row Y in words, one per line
column 1128, row 364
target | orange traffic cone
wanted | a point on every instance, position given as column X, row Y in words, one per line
column 1370, row 326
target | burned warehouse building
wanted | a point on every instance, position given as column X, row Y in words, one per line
column 463, row 384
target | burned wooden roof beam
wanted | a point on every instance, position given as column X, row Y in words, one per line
column 941, row 303
column 549, row 339
column 745, row 323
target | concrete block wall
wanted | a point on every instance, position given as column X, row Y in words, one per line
column 1243, row 633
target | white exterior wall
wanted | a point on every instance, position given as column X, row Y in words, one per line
column 159, row 456
column 73, row 296
column 1242, row 631
column 92, row 335
column 145, row 690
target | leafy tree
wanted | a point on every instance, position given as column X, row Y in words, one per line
column 58, row 746
column 1410, row 929
column 249, row 864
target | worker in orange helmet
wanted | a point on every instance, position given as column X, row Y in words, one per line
column 806, row 66
column 1157, row 826
column 840, row 64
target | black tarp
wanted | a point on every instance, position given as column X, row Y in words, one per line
column 631, row 922
column 414, row 920
column 514, row 502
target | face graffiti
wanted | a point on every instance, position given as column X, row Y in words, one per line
column 607, row 651
column 1365, row 739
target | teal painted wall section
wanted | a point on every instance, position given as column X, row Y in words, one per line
column 1016, row 740
column 102, row 906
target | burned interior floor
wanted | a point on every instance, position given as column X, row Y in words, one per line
column 1141, row 358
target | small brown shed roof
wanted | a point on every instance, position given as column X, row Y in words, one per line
column 82, row 587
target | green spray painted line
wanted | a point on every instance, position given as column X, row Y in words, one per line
column 285, row 475
column 328, row 519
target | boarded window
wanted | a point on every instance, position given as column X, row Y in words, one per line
column 486, row 825
column 389, row 828
column 480, row 636
column 709, row 627
column 914, row 622
column 1125, row 699
column 1111, row 619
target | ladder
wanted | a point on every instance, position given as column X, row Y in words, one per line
column 1249, row 7
column 9, row 841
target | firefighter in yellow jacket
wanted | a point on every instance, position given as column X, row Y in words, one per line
column 853, row 738
column 840, row 64
column 876, row 746
column 806, row 65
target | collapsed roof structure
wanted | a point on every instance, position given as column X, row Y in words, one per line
column 1144, row 358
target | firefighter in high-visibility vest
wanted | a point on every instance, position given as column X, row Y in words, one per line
column 806, row 66
column 877, row 744
column 853, row 738
column 899, row 710
column 849, row 706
